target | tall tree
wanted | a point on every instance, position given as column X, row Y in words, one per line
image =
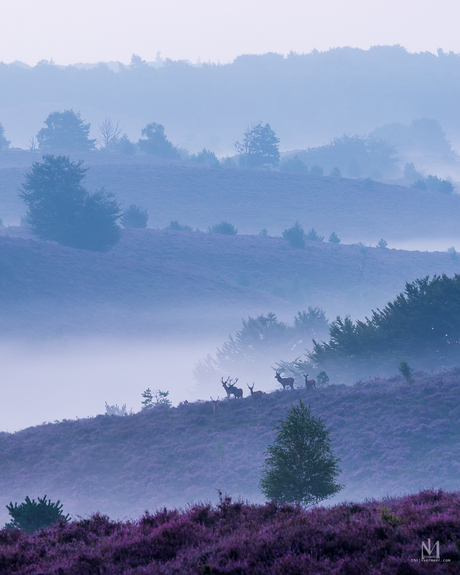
column 156, row 142
column 300, row 467
column 259, row 147
column 65, row 131
column 61, row 209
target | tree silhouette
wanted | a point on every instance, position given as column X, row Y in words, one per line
column 300, row 467
column 4, row 143
column 61, row 209
column 31, row 515
column 65, row 131
column 259, row 147
column 156, row 143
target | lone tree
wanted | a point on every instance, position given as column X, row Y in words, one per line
column 31, row 515
column 65, row 131
column 61, row 209
column 156, row 143
column 300, row 467
column 259, row 147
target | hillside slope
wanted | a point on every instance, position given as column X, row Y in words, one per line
column 356, row 210
column 392, row 438
column 152, row 277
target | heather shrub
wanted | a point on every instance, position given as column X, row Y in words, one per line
column 31, row 515
column 134, row 217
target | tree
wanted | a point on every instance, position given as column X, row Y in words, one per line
column 223, row 228
column 406, row 371
column 134, row 217
column 4, row 143
column 334, row 238
column 300, row 467
column 65, row 130
column 33, row 515
column 110, row 133
column 156, row 143
column 259, row 147
column 62, row 210
column 295, row 235
column 313, row 236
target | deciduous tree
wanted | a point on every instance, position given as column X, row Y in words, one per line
column 259, row 147
column 65, row 131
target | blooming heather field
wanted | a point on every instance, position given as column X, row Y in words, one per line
column 379, row 537
column 393, row 438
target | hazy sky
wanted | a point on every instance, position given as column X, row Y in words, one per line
column 73, row 31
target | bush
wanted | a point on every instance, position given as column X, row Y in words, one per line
column 115, row 410
column 334, row 238
column 434, row 184
column 156, row 143
column 312, row 236
column 295, row 236
column 205, row 157
column 453, row 253
column 406, row 371
column 134, row 217
column 322, row 378
column 382, row 244
column 155, row 398
column 33, row 515
column 62, row 210
column 223, row 228
column 294, row 165
column 177, row 227
column 336, row 173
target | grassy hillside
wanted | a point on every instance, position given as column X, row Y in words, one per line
column 373, row 538
column 356, row 210
column 393, row 438
column 152, row 278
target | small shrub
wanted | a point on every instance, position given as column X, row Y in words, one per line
column 155, row 398
column 334, row 238
column 322, row 378
column 134, row 217
column 294, row 165
column 295, row 236
column 31, row 515
column 406, row 371
column 434, row 184
column 263, row 233
column 336, row 173
column 205, row 157
column 453, row 253
column 382, row 244
column 223, row 228
column 312, row 236
column 177, row 227
column 115, row 410
column 316, row 170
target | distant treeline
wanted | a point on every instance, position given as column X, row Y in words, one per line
column 307, row 98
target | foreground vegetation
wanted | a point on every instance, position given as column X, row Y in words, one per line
column 376, row 537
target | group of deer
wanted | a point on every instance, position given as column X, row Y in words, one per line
column 230, row 387
column 289, row 381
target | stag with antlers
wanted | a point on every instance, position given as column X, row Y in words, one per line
column 255, row 394
column 231, row 389
column 285, row 381
column 309, row 383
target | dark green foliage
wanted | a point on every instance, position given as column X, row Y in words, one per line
column 177, row 227
column 322, row 379
column 4, row 143
column 134, row 217
column 334, row 238
column 300, row 467
column 312, row 236
column 155, row 398
column 147, row 402
column 406, row 371
column 65, row 130
column 434, row 184
column 156, row 143
column 31, row 515
column 382, row 244
column 62, row 210
column 206, row 158
column 259, row 147
column 295, row 235
column 223, row 228
column 422, row 325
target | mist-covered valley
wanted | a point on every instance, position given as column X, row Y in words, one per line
column 321, row 255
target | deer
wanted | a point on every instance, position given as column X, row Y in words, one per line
column 215, row 402
column 309, row 383
column 255, row 394
column 237, row 391
column 285, row 381
column 229, row 386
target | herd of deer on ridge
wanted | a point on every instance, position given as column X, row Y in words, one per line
column 230, row 386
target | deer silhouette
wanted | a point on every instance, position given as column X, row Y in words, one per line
column 255, row 394
column 285, row 381
column 309, row 383
column 230, row 388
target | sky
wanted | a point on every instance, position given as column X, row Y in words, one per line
column 71, row 31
